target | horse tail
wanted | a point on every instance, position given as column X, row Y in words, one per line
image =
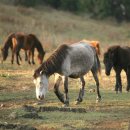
column 99, row 50
column 98, row 64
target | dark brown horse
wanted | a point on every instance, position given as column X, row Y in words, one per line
column 118, row 58
column 18, row 41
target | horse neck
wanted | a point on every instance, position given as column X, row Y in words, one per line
column 54, row 63
column 50, row 68
column 8, row 43
column 39, row 48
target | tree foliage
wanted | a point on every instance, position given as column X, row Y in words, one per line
column 97, row 8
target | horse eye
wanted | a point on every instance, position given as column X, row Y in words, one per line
column 40, row 82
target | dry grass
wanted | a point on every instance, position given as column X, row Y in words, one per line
column 16, row 82
column 60, row 27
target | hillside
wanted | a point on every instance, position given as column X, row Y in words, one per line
column 56, row 27
column 19, row 108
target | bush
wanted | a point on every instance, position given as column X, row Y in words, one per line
column 25, row 2
column 97, row 8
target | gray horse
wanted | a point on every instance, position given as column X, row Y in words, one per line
column 72, row 61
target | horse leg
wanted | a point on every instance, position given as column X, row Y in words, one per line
column 33, row 57
column 97, row 84
column 17, row 57
column 20, row 57
column 81, row 91
column 128, row 78
column 29, row 54
column 12, row 59
column 60, row 96
column 118, row 86
column 26, row 56
column 66, row 97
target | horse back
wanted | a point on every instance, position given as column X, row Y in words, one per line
column 79, row 60
column 124, row 56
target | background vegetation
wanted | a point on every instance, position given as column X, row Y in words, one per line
column 118, row 9
column 55, row 26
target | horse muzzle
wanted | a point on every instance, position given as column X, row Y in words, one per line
column 41, row 97
column 107, row 73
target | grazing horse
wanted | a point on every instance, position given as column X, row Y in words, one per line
column 72, row 61
column 118, row 58
column 95, row 44
column 18, row 41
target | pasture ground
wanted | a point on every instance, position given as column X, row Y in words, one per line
column 20, row 109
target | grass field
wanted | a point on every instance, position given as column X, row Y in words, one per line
column 19, row 108
column 17, row 91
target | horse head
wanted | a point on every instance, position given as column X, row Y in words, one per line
column 41, row 83
column 4, row 53
column 110, row 58
column 41, row 57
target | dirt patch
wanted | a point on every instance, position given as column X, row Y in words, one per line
column 53, row 108
column 5, row 126
column 29, row 108
column 32, row 115
column 71, row 109
column 64, row 109
column 115, row 124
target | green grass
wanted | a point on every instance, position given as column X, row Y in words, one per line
column 113, row 109
column 69, row 120
column 17, row 96
column 55, row 27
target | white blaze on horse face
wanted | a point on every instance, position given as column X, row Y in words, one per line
column 41, row 84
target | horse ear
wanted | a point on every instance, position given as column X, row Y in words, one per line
column 41, row 72
column 114, row 52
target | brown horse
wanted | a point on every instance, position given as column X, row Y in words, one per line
column 18, row 41
column 118, row 58
column 95, row 44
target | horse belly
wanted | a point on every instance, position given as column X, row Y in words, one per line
column 81, row 67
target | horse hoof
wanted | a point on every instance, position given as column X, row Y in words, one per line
column 65, row 105
column 29, row 63
column 98, row 100
column 77, row 102
column 39, row 103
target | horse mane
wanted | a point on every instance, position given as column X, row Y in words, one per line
column 7, row 44
column 38, row 44
column 8, row 41
column 112, row 48
column 95, row 44
column 112, row 52
column 54, row 62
